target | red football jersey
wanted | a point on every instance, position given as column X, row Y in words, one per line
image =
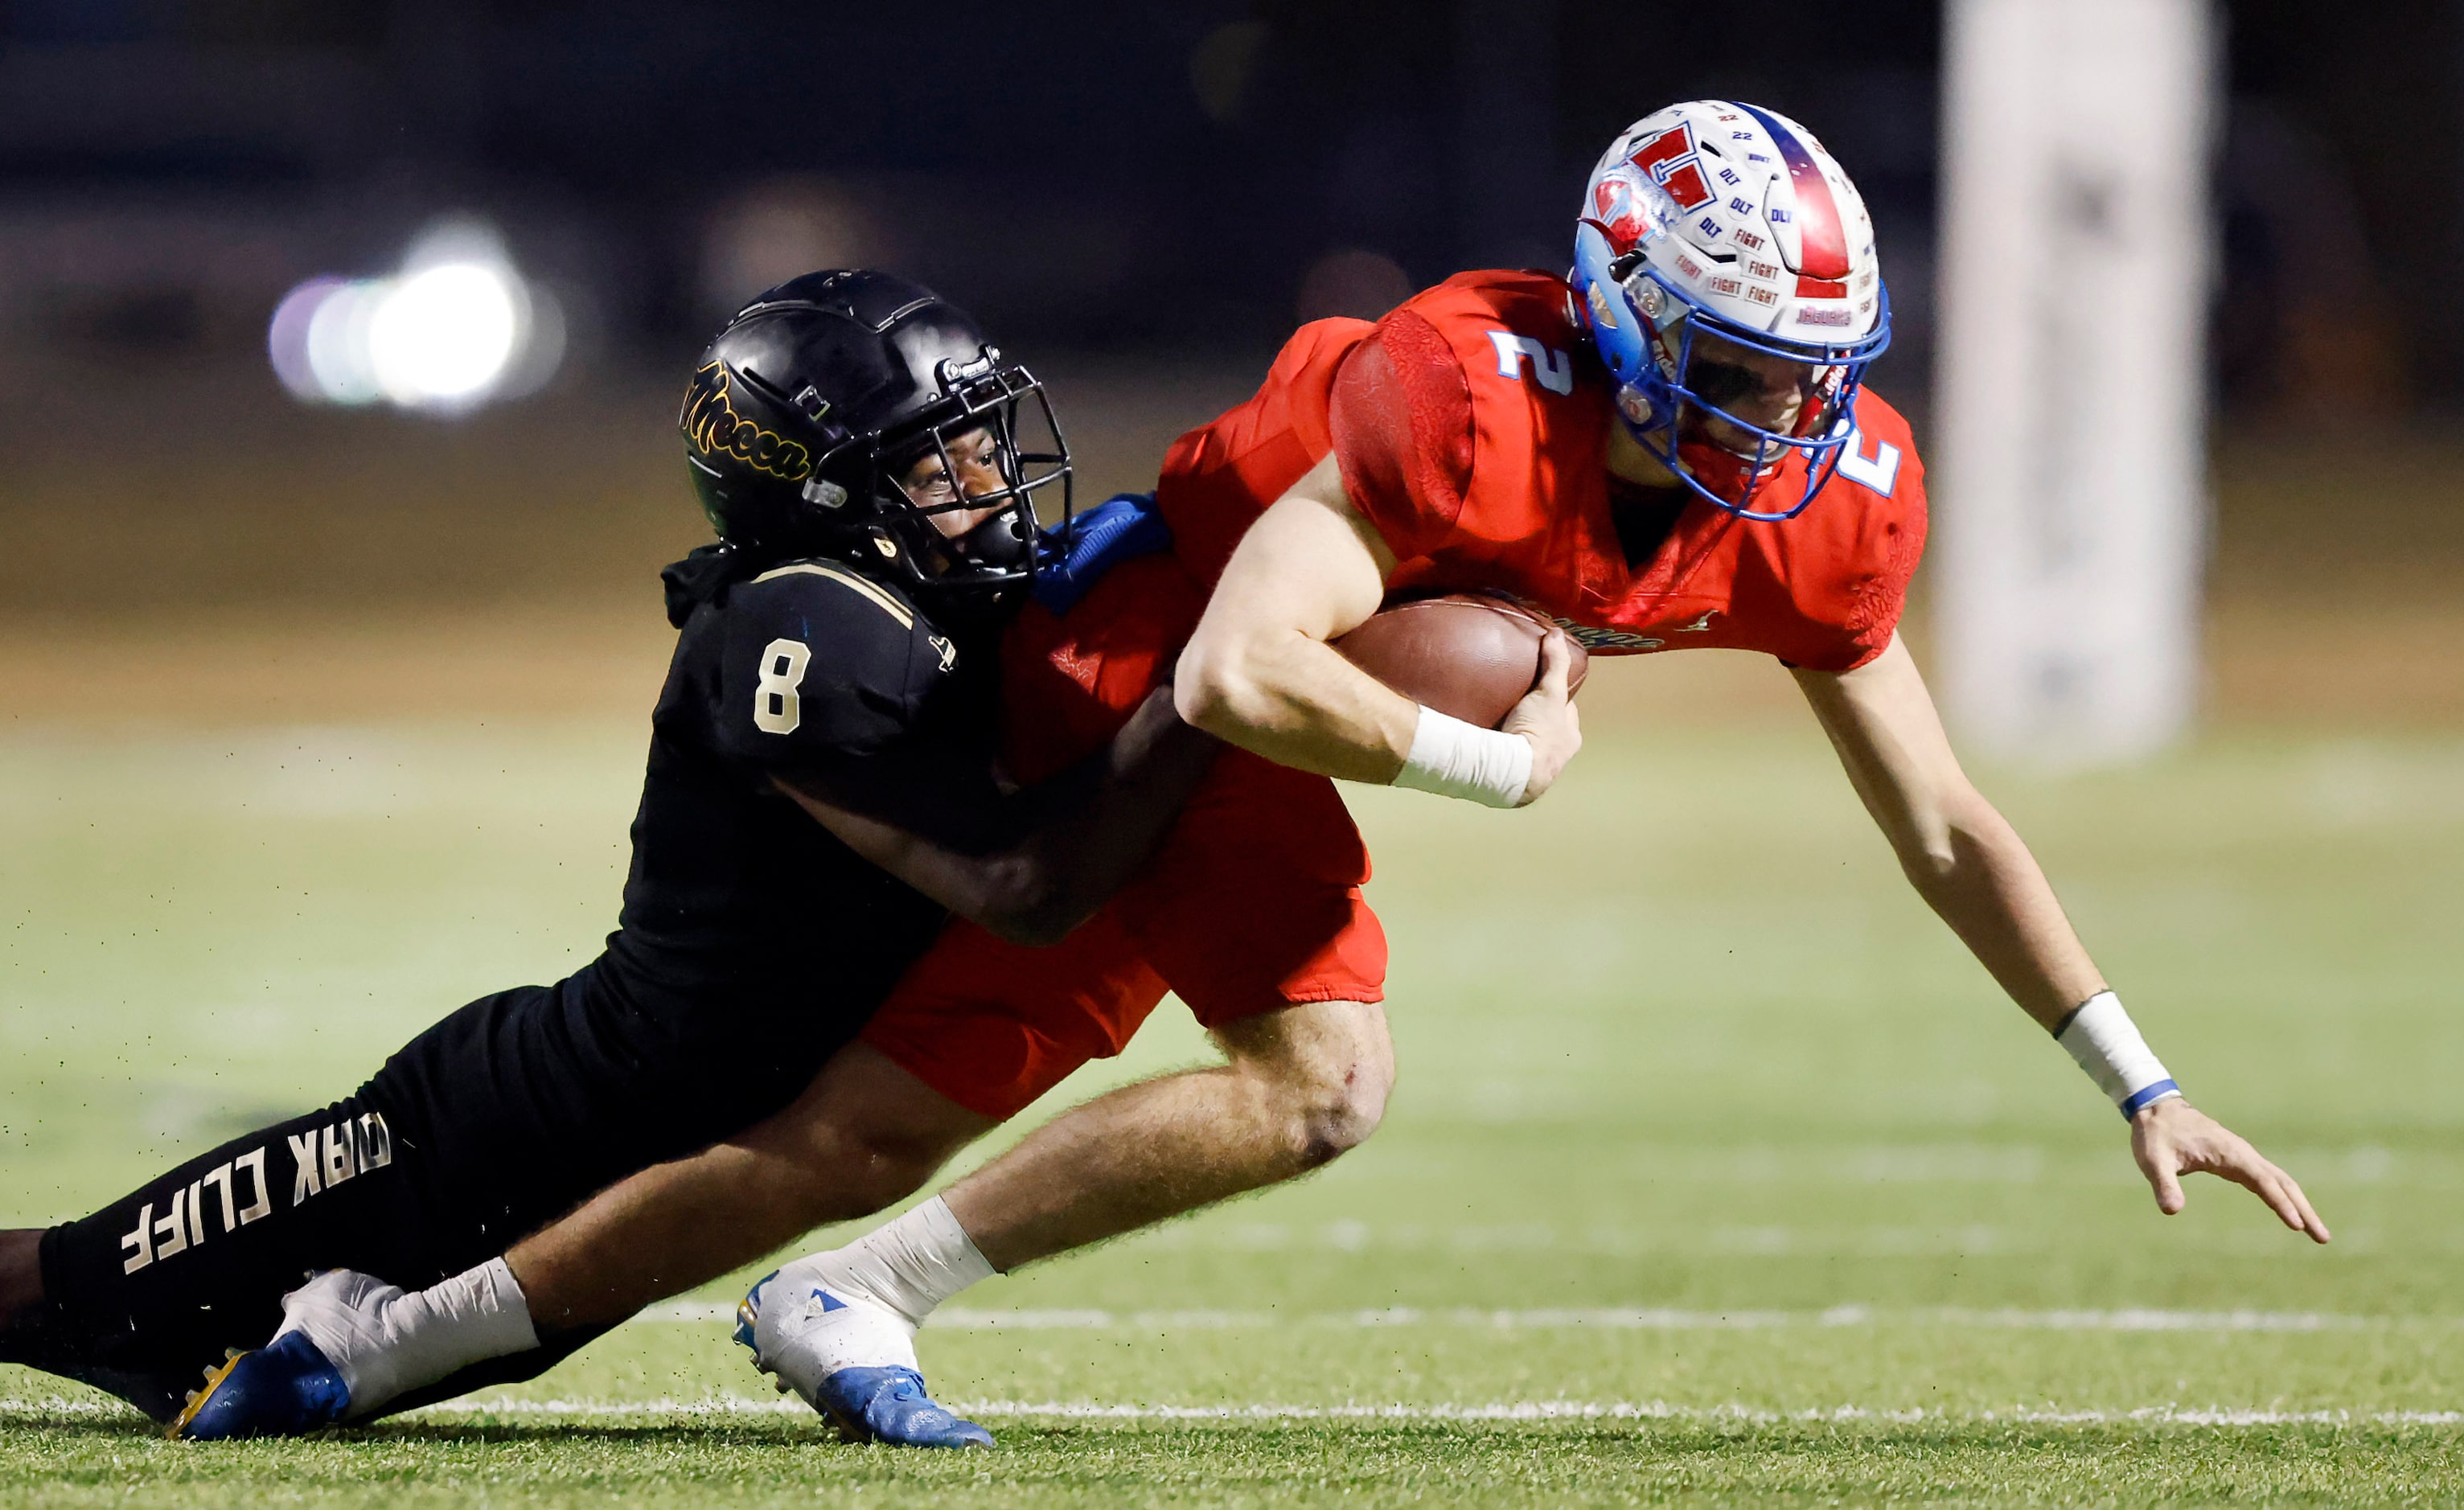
column 1472, row 427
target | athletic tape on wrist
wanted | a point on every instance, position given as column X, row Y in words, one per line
column 1454, row 759
column 2107, row 1043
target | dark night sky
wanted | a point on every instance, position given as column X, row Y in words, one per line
column 1145, row 176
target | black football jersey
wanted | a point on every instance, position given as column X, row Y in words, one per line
column 736, row 898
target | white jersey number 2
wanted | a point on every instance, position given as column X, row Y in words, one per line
column 1554, row 369
column 776, row 708
column 1882, row 472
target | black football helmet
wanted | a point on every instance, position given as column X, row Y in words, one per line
column 821, row 395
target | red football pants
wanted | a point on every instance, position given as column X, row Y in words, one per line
column 1251, row 905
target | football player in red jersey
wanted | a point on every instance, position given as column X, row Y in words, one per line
column 1671, row 448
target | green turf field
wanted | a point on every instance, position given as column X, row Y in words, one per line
column 1716, row 1169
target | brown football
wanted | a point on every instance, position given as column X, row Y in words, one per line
column 1468, row 656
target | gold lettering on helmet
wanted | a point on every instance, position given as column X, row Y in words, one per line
column 711, row 423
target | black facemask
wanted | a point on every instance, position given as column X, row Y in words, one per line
column 1001, row 543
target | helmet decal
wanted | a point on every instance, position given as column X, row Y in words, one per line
column 1823, row 241
column 716, row 429
column 1619, row 204
column 1670, row 159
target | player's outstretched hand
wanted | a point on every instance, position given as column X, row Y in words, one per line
column 2172, row 1138
column 1547, row 717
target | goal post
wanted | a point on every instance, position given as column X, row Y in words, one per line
column 2070, row 480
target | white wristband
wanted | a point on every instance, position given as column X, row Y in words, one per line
column 1454, row 759
column 2107, row 1043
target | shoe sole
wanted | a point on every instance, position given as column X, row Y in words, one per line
column 197, row 1398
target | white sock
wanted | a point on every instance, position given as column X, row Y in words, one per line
column 913, row 1263
column 384, row 1341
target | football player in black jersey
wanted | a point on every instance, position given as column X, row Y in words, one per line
column 868, row 459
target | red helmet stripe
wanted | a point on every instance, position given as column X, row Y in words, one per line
column 1822, row 238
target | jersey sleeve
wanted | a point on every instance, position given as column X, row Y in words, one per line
column 1401, row 420
column 818, row 666
column 1884, row 598
column 1879, row 567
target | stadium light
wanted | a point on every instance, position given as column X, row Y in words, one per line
column 444, row 335
column 458, row 327
column 338, row 344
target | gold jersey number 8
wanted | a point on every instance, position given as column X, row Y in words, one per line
column 776, row 708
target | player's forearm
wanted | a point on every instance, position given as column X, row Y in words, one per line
column 1960, row 854
column 1297, row 701
column 968, row 884
column 1980, row 878
column 1069, row 869
column 1258, row 671
column 1088, row 829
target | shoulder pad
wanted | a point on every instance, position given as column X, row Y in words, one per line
column 819, row 580
column 817, row 659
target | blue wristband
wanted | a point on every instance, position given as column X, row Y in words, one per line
column 2146, row 1096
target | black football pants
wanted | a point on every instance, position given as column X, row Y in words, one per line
column 492, row 1124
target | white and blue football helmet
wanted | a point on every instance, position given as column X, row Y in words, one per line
column 1723, row 219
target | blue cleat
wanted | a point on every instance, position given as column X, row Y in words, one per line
column 889, row 1405
column 809, row 1336
column 284, row 1388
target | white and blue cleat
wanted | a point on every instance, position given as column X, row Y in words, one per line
column 284, row 1388
column 847, row 1356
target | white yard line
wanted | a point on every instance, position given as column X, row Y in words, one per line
column 1662, row 1410
column 1497, row 1411
column 2129, row 1319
